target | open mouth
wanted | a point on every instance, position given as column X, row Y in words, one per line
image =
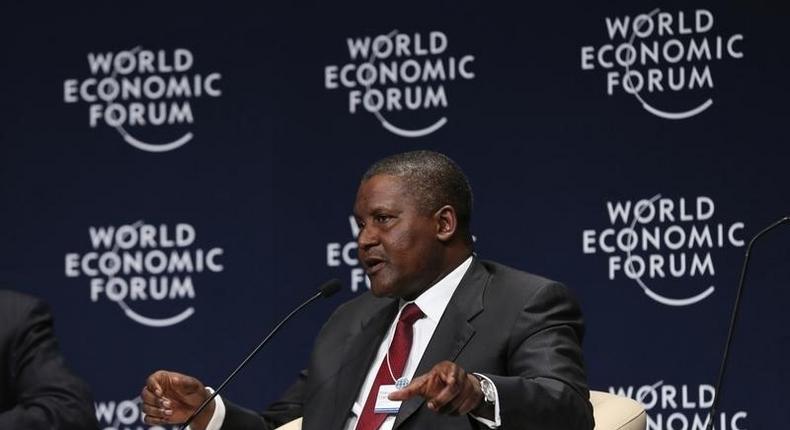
column 373, row 265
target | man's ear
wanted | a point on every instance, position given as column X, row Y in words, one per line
column 446, row 223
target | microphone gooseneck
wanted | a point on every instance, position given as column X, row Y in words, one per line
column 734, row 317
column 327, row 289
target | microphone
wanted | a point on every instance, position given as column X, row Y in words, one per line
column 327, row 289
column 734, row 317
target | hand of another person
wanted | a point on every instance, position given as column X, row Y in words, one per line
column 446, row 388
column 170, row 398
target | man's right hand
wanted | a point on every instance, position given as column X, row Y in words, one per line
column 170, row 398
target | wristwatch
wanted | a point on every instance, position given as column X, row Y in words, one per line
column 488, row 389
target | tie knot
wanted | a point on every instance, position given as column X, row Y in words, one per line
column 410, row 314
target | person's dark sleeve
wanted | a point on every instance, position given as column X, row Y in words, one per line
column 284, row 410
column 546, row 388
column 48, row 395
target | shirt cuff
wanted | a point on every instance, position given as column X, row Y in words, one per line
column 216, row 421
column 497, row 422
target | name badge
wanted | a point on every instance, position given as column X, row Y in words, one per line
column 385, row 405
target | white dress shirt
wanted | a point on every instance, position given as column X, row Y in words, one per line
column 432, row 302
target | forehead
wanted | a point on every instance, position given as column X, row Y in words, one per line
column 383, row 192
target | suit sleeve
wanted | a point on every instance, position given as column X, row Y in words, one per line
column 545, row 387
column 48, row 395
column 287, row 408
column 284, row 410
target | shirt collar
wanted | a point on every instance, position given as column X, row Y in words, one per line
column 434, row 300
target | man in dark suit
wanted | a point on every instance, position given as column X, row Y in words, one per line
column 476, row 344
column 37, row 390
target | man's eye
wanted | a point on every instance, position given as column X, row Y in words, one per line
column 382, row 218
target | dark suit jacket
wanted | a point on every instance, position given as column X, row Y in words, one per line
column 37, row 390
column 522, row 331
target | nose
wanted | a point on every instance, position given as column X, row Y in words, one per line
column 367, row 238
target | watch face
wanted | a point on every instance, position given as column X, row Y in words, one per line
column 488, row 390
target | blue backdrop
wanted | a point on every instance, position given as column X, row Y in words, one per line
column 174, row 177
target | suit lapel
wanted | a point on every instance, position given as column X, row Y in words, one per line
column 358, row 354
column 453, row 332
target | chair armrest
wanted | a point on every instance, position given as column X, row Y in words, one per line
column 614, row 412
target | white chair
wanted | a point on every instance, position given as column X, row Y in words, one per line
column 614, row 412
column 611, row 412
column 293, row 425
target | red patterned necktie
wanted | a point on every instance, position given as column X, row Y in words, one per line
column 398, row 353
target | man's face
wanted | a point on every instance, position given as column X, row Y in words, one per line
column 397, row 242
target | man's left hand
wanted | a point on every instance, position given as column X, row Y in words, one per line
column 446, row 388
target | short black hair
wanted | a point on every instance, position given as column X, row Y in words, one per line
column 434, row 179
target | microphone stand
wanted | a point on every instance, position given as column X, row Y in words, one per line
column 326, row 290
column 734, row 317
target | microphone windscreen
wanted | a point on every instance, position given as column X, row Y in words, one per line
column 330, row 287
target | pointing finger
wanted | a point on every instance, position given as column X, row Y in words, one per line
column 415, row 388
